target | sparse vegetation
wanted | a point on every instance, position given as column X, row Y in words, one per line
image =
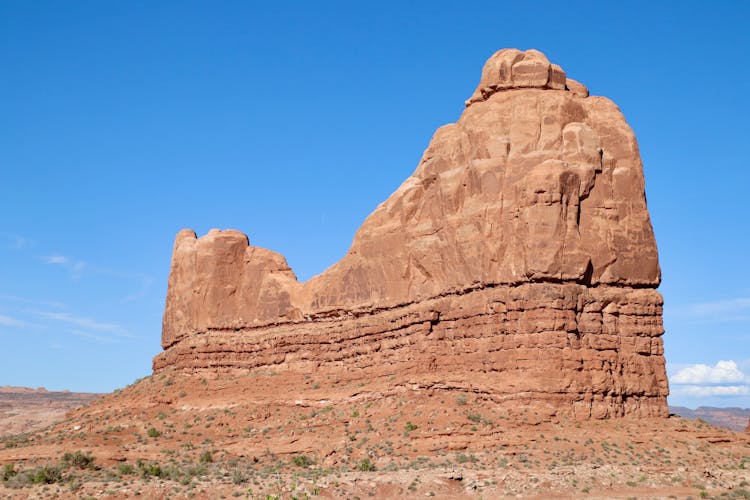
column 47, row 474
column 148, row 469
column 366, row 465
column 125, row 469
column 396, row 434
column 78, row 459
column 9, row 471
column 302, row 461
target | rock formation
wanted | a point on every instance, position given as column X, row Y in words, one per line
column 518, row 262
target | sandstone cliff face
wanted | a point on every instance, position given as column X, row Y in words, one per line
column 517, row 261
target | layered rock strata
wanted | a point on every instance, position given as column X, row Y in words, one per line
column 518, row 262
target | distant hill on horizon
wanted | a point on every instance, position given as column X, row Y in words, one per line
column 24, row 409
column 733, row 418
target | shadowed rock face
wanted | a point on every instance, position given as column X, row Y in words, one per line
column 518, row 261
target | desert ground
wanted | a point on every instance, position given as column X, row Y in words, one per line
column 226, row 435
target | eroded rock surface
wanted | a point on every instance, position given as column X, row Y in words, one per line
column 518, row 261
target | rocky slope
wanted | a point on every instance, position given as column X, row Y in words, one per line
column 249, row 435
column 518, row 261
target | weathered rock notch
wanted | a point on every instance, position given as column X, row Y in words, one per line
column 517, row 262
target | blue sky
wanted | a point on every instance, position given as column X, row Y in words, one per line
column 123, row 122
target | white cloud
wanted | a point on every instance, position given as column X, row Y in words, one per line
column 55, row 259
column 724, row 379
column 724, row 372
column 75, row 266
column 702, row 391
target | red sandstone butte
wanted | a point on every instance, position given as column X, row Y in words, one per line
column 517, row 262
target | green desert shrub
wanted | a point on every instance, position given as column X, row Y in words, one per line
column 302, row 461
column 238, row 477
column 40, row 475
column 46, row 475
column 9, row 471
column 125, row 469
column 78, row 459
column 366, row 465
column 149, row 469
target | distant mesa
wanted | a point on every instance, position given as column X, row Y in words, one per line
column 735, row 419
column 518, row 262
column 24, row 409
column 14, row 389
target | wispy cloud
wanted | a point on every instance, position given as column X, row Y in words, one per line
column 20, row 242
column 73, row 265
column 38, row 322
column 77, row 268
column 83, row 322
column 51, row 318
column 55, row 259
column 95, row 337
column 33, row 302
column 722, row 306
column 11, row 322
column 735, row 309
column 14, row 241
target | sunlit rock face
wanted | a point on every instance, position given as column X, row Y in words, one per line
column 517, row 261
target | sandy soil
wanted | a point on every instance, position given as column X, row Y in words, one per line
column 209, row 435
